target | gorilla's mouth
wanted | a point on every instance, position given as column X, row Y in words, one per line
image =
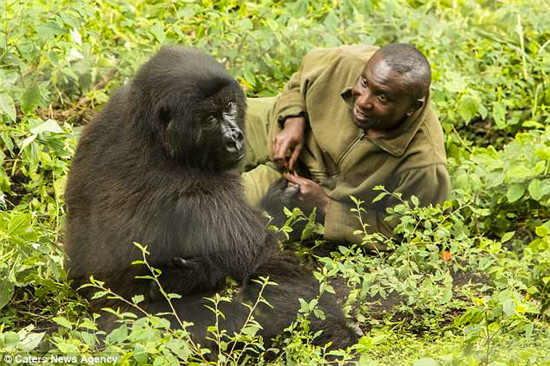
column 235, row 158
column 231, row 160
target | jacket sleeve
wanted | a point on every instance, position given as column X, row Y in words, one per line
column 429, row 184
column 292, row 101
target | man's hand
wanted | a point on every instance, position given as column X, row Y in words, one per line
column 289, row 141
column 310, row 194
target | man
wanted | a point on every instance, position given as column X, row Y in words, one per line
column 350, row 119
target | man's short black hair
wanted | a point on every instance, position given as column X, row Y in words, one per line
column 407, row 60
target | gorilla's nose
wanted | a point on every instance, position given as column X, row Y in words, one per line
column 234, row 143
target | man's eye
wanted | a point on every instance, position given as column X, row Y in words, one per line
column 383, row 98
column 363, row 81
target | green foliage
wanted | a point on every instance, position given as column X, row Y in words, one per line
column 466, row 283
column 509, row 189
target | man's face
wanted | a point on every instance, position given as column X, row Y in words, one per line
column 382, row 97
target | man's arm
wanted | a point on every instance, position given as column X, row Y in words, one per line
column 290, row 119
column 429, row 184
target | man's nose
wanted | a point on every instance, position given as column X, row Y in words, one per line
column 364, row 100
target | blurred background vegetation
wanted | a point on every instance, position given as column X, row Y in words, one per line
column 486, row 302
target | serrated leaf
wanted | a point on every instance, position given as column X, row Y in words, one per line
column 118, row 335
column 32, row 340
column 515, row 192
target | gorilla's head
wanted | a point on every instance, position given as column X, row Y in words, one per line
column 186, row 104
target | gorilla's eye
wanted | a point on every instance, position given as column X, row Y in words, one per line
column 230, row 106
column 211, row 121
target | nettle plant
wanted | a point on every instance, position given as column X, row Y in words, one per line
column 437, row 268
column 143, row 338
column 508, row 189
column 410, row 278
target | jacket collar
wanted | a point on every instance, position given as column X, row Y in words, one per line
column 396, row 141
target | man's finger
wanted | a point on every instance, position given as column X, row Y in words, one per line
column 295, row 179
column 294, row 156
column 280, row 152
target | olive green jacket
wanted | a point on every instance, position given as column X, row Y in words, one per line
column 410, row 160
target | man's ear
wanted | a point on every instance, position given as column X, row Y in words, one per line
column 416, row 105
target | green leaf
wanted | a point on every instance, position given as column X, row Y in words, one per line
column 535, row 189
column 63, row 322
column 482, row 110
column 18, row 224
column 6, row 291
column 379, row 197
column 7, row 106
column 519, row 172
column 49, row 30
column 426, row 362
column 118, row 335
column 454, row 82
column 48, row 126
column 137, row 299
column 68, row 348
column 26, row 142
column 515, row 192
column 542, row 231
column 543, row 154
column 539, row 168
column 31, row 98
column 468, row 108
column 494, row 179
column 499, row 115
column 249, row 77
column 32, row 340
column 158, row 32
column 507, row 236
column 509, row 307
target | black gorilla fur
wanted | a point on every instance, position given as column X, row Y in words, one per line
column 156, row 166
column 282, row 195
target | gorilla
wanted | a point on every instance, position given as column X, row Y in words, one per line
column 281, row 195
column 157, row 166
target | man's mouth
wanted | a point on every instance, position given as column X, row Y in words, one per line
column 360, row 116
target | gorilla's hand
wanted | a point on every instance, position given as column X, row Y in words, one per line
column 188, row 266
column 289, row 141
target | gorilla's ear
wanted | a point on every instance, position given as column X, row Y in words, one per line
column 164, row 115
